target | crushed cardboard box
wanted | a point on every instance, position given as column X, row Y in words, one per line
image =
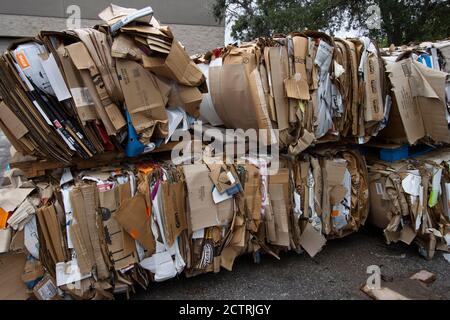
column 102, row 231
column 409, row 201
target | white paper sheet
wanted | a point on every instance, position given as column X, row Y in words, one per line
column 218, row 198
column 161, row 264
column 31, row 238
column 176, row 116
column 411, row 184
column 56, row 79
column 68, row 213
column 67, row 273
column 11, row 198
column 199, row 234
column 21, row 215
column 207, row 111
column 66, row 177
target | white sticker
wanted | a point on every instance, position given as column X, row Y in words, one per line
column 81, row 97
column 379, row 188
column 199, row 234
column 231, row 178
column 48, row 290
column 31, row 238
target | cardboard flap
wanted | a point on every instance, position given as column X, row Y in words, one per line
column 400, row 74
column 177, row 66
column 312, row 241
column 203, row 211
column 109, row 199
column 124, row 47
column 149, row 30
column 120, row 244
column 429, row 83
column 430, row 90
column 114, row 13
column 335, row 171
column 189, row 98
column 373, row 109
column 300, row 54
column 80, row 93
column 11, row 121
column 80, row 56
column 337, row 194
column 132, row 216
column 303, row 143
column 222, row 178
column 174, row 210
column 279, row 72
column 143, row 97
column 296, row 89
column 420, row 96
column 13, row 288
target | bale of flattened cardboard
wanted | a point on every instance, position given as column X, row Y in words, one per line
column 410, row 201
column 120, row 87
column 420, row 93
column 310, row 86
column 100, row 232
column 331, row 196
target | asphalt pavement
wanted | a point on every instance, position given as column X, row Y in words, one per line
column 336, row 273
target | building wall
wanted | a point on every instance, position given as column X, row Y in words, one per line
column 190, row 20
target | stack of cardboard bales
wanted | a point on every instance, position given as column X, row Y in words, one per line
column 410, row 201
column 311, row 87
column 80, row 93
column 102, row 232
column 128, row 86
column 420, row 93
column 70, row 95
column 409, row 198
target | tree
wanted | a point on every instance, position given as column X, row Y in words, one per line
column 401, row 21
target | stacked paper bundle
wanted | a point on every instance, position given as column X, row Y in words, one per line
column 309, row 86
column 81, row 93
column 99, row 232
column 410, row 201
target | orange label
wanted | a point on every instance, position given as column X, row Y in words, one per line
column 134, row 234
column 22, row 60
column 335, row 213
column 3, row 218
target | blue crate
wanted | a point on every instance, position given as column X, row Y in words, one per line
column 392, row 155
column 404, row 152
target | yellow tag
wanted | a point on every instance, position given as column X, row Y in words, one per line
column 301, row 105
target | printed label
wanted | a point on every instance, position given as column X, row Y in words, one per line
column 48, row 291
column 82, row 97
column 379, row 188
column 22, row 60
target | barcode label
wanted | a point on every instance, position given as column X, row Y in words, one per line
column 379, row 188
column 48, row 290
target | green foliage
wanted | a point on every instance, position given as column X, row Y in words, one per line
column 402, row 21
